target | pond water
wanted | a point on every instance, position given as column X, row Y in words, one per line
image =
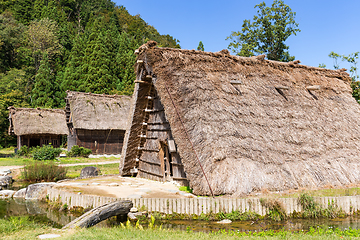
column 39, row 212
column 246, row 226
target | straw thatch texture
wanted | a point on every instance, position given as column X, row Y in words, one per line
column 97, row 111
column 253, row 122
column 30, row 121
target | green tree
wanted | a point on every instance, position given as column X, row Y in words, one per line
column 88, row 46
column 23, row 10
column 352, row 59
column 336, row 57
column 11, row 33
column 72, row 77
column 46, row 92
column 125, row 60
column 201, row 46
column 42, row 38
column 98, row 63
column 322, row 65
column 267, row 34
column 12, row 98
column 13, row 79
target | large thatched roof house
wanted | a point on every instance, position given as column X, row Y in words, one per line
column 97, row 121
column 37, row 127
column 249, row 123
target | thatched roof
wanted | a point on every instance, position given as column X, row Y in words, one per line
column 98, row 111
column 255, row 124
column 28, row 121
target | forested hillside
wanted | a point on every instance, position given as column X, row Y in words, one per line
column 50, row 46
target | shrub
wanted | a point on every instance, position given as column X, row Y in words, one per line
column 42, row 171
column 46, row 152
column 276, row 210
column 312, row 209
column 25, row 151
column 77, row 151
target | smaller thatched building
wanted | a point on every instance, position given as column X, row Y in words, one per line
column 234, row 125
column 97, row 121
column 37, row 127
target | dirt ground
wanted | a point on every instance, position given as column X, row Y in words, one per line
column 124, row 187
column 115, row 185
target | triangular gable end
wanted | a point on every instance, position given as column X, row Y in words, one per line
column 149, row 149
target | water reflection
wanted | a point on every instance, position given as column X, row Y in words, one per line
column 246, row 226
column 38, row 211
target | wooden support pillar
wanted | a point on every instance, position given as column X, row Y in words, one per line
column 19, row 142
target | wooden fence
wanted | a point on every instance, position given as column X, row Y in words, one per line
column 200, row 205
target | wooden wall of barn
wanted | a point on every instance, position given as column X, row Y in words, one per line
column 101, row 141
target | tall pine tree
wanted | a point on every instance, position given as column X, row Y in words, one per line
column 125, row 60
column 97, row 66
column 72, row 77
column 46, row 92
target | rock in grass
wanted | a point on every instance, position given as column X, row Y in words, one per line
column 131, row 216
column 89, row 172
column 5, row 172
column 38, row 191
column 47, row 236
column 135, row 215
column 4, row 194
column 224, row 221
column 20, row 194
column 5, row 181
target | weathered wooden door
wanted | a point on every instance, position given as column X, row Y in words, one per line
column 165, row 161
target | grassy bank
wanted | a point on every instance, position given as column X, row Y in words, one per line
column 22, row 228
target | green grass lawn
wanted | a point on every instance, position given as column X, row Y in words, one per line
column 16, row 161
column 106, row 169
column 87, row 160
column 8, row 150
column 23, row 229
column 120, row 233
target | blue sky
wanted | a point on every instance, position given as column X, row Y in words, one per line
column 326, row 25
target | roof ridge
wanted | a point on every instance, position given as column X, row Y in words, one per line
column 254, row 59
column 73, row 93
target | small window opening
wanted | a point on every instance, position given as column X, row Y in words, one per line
column 281, row 93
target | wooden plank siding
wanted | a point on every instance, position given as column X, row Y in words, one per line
column 101, row 141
